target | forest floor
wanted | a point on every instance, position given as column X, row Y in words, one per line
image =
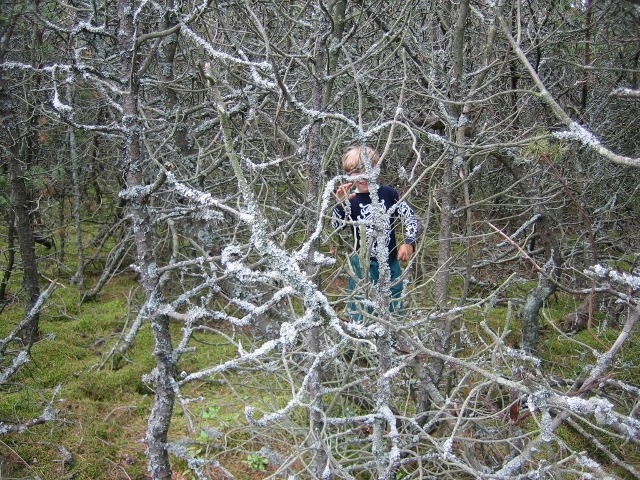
column 99, row 430
column 101, row 421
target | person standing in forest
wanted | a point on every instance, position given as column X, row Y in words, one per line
column 355, row 209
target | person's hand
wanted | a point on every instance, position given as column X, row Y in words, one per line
column 343, row 191
column 405, row 252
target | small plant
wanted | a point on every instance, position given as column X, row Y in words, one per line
column 187, row 475
column 257, row 462
column 221, row 421
column 203, row 437
column 195, row 451
column 211, row 413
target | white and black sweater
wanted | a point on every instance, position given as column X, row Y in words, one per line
column 359, row 213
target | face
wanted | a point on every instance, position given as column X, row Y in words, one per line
column 361, row 184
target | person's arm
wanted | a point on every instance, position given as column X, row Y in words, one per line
column 337, row 223
column 343, row 193
column 337, row 217
column 410, row 224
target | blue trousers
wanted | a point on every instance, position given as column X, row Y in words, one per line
column 355, row 307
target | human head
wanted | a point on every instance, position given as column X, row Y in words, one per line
column 354, row 159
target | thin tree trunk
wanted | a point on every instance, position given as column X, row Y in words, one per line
column 317, row 411
column 11, row 255
column 133, row 165
column 24, row 229
column 442, row 276
column 76, row 188
column 584, row 94
column 16, row 147
column 166, row 57
column 530, row 313
column 546, row 285
column 61, row 228
column 451, row 165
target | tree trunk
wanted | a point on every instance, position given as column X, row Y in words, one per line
column 133, row 166
column 530, row 310
column 320, row 93
column 546, row 286
column 584, row 94
column 11, row 254
column 18, row 152
column 166, row 57
column 76, row 202
column 442, row 275
column 451, row 165
column 24, row 230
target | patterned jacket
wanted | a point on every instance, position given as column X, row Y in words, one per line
column 358, row 213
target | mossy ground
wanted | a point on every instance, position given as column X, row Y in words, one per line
column 101, row 423
column 102, row 412
column 99, row 411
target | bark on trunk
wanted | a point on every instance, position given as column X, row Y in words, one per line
column 133, row 166
column 18, row 153
column 546, row 285
column 11, row 254
column 26, row 242
column 319, row 466
column 452, row 164
column 530, row 313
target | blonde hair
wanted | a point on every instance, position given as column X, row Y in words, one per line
column 355, row 157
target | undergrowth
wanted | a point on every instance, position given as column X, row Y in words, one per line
column 101, row 422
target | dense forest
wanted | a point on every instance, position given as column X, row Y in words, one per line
column 169, row 171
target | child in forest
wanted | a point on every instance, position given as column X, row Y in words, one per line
column 354, row 209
